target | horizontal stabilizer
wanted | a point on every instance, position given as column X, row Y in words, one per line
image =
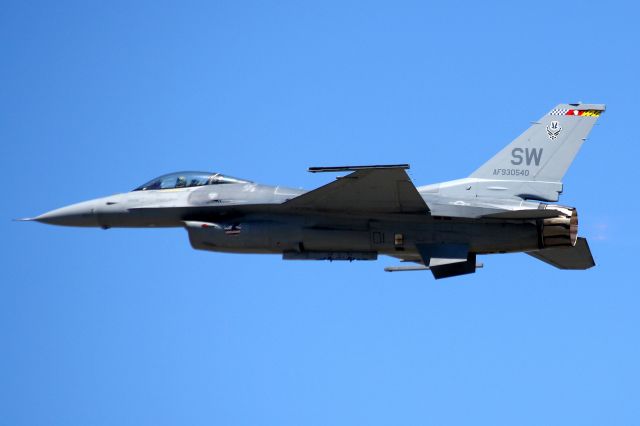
column 570, row 257
column 376, row 189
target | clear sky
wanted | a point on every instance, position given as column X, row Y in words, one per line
column 133, row 327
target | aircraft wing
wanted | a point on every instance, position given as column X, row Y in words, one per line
column 369, row 189
column 572, row 257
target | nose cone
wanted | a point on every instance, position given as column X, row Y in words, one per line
column 81, row 214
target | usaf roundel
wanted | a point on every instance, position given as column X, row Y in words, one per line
column 553, row 129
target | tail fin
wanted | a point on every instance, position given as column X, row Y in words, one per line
column 545, row 150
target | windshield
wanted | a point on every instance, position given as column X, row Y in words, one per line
column 187, row 180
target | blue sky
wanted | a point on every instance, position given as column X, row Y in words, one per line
column 133, row 327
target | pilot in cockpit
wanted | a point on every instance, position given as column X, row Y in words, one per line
column 191, row 179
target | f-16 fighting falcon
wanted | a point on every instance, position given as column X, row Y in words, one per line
column 502, row 207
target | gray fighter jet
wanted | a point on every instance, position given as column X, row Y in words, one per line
column 502, row 207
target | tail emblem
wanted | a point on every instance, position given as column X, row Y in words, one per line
column 576, row 112
column 553, row 129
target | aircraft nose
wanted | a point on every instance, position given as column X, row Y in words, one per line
column 80, row 214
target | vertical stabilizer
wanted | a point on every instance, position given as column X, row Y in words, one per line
column 545, row 150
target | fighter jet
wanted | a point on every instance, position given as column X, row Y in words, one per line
column 502, row 207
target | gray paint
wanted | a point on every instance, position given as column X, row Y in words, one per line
column 376, row 210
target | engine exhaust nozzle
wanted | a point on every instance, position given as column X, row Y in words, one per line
column 561, row 230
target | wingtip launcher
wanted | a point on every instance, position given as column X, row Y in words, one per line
column 356, row 168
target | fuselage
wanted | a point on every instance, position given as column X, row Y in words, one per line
column 246, row 217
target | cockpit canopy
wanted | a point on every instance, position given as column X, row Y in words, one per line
column 188, row 180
